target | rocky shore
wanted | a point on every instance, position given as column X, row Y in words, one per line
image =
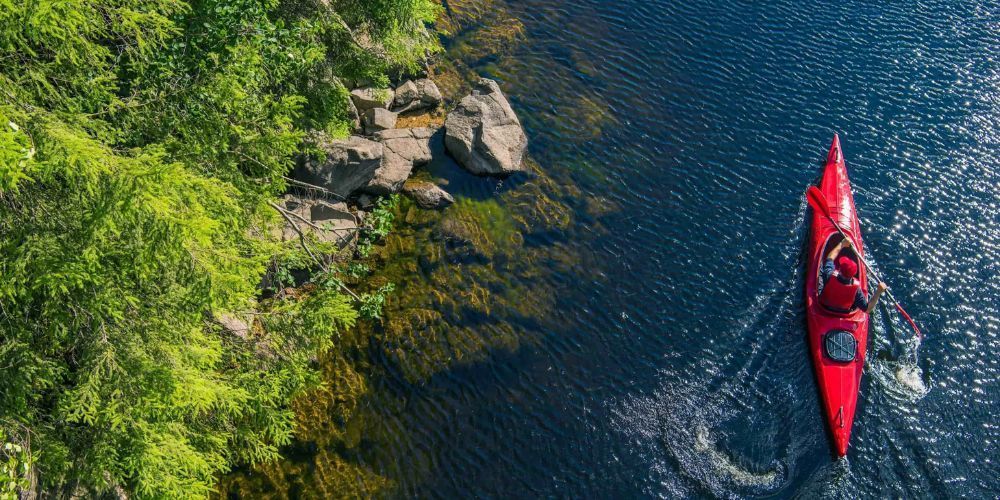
column 482, row 134
column 477, row 279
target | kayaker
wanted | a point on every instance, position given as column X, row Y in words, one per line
column 843, row 293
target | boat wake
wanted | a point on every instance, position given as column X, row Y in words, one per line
column 682, row 428
column 725, row 466
column 673, row 431
column 832, row 480
column 896, row 368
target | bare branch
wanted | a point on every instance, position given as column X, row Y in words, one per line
column 313, row 186
column 305, row 246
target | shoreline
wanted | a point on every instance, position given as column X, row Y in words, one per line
column 460, row 274
column 347, row 385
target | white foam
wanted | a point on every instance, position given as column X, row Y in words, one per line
column 911, row 377
column 724, row 466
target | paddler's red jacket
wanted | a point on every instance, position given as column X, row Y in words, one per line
column 826, row 272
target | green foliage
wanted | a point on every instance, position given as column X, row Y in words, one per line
column 357, row 270
column 372, row 303
column 15, row 468
column 140, row 142
column 16, row 152
column 378, row 223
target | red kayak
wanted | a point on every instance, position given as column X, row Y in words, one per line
column 837, row 341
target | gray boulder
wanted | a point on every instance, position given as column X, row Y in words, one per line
column 352, row 113
column 378, row 119
column 324, row 221
column 483, row 133
column 416, row 94
column 345, row 165
column 367, row 98
column 404, row 148
column 235, row 325
column 427, row 194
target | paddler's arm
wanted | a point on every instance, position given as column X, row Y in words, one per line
column 878, row 293
column 827, row 268
column 844, row 243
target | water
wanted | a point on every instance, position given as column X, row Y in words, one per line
column 667, row 357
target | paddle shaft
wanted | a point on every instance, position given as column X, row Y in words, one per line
column 862, row 259
column 875, row 275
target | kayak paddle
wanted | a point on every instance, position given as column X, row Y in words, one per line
column 818, row 202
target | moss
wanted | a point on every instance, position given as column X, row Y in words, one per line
column 433, row 119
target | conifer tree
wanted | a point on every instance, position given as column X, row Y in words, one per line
column 140, row 144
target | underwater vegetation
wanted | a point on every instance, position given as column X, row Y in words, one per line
column 471, row 281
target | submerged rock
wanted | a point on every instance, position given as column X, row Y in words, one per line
column 483, row 133
column 378, row 119
column 416, row 94
column 427, row 194
column 367, row 98
column 403, row 149
column 345, row 166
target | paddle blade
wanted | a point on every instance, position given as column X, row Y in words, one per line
column 910, row 320
column 817, row 201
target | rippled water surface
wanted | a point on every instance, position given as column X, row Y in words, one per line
column 665, row 354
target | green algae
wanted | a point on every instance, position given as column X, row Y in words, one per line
column 468, row 285
column 483, row 225
column 499, row 39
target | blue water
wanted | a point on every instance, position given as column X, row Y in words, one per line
column 677, row 365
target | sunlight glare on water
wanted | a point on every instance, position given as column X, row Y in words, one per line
column 661, row 343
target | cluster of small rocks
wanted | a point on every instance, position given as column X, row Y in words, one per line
column 482, row 133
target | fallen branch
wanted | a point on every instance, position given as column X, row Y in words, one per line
column 314, row 226
column 305, row 246
column 297, row 182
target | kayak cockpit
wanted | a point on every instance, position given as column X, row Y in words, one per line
column 832, row 241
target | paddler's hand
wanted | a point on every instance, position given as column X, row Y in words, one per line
column 846, row 243
column 878, row 294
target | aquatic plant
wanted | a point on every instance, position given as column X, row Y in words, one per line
column 377, row 224
column 467, row 285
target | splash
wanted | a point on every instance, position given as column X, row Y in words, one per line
column 901, row 379
column 911, row 377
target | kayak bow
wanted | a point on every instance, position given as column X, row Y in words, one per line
column 837, row 341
